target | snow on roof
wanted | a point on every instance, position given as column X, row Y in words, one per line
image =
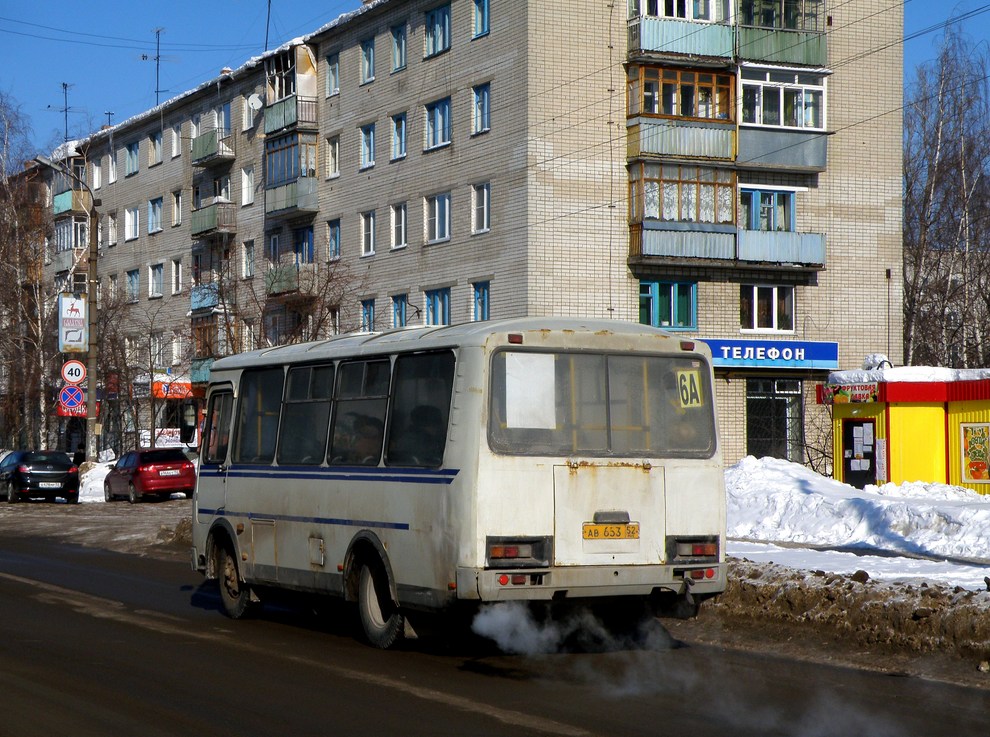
column 907, row 374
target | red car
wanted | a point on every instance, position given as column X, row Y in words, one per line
column 157, row 472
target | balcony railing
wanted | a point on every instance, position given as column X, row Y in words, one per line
column 782, row 46
column 677, row 242
column 73, row 200
column 291, row 278
column 294, row 197
column 671, row 36
column 791, row 149
column 291, row 111
column 204, row 296
column 65, row 260
column 199, row 372
column 782, row 247
column 220, row 217
column 646, row 136
column 212, row 147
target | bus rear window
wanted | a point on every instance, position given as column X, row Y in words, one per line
column 624, row 405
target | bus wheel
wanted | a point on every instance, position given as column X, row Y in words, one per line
column 380, row 617
column 234, row 595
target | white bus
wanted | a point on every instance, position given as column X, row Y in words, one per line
column 536, row 459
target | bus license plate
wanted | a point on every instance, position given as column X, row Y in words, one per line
column 594, row 531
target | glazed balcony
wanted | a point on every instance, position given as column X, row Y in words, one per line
column 213, row 147
column 218, row 218
column 292, row 111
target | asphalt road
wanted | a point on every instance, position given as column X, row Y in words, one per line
column 94, row 642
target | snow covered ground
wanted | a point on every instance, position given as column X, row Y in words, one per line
column 784, row 513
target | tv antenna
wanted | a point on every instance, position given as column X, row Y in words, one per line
column 158, row 59
column 65, row 109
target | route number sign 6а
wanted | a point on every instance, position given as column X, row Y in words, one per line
column 73, row 372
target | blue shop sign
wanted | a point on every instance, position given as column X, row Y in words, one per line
column 776, row 354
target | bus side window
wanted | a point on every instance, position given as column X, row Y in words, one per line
column 359, row 412
column 420, row 409
column 257, row 415
column 217, row 431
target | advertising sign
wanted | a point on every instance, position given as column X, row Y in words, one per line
column 975, row 452
column 73, row 336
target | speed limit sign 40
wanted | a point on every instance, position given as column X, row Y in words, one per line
column 73, row 372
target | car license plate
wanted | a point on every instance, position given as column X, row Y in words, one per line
column 592, row 531
column 50, row 485
column 169, row 472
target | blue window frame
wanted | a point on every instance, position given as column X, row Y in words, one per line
column 398, row 47
column 437, row 28
column 400, row 305
column 481, row 122
column 304, row 248
column 482, row 294
column 668, row 305
column 367, row 145
column 367, row 315
column 480, row 18
column 333, row 75
column 438, row 306
column 398, row 136
column 770, row 210
column 438, row 123
column 367, row 60
column 333, row 239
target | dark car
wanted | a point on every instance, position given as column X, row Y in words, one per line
column 39, row 474
column 158, row 472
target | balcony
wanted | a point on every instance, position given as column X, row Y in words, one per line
column 723, row 245
column 218, row 218
column 782, row 46
column 296, row 197
column 671, row 36
column 785, row 149
column 66, row 260
column 781, row 247
column 298, row 279
column 204, row 296
column 648, row 136
column 212, row 147
column 294, row 110
column 199, row 372
column 72, row 200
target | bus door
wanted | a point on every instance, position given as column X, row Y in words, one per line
column 211, row 484
column 608, row 515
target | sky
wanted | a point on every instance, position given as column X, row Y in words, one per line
column 785, row 513
column 105, row 50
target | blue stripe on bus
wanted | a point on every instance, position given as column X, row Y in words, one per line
column 336, row 473
column 307, row 520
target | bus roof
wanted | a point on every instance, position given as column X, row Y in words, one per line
column 436, row 336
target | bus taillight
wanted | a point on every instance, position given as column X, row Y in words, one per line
column 518, row 552
column 694, row 549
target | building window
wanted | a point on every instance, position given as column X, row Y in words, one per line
column 221, row 188
column 112, row 168
column 775, row 419
column 438, row 306
column 133, row 285
column 176, row 275
column 398, row 47
column 400, row 305
column 132, row 162
column 333, row 156
column 438, row 217
column 247, row 185
column 784, row 98
column 156, row 276
column 670, row 305
column 112, row 229
column 177, row 207
column 97, row 175
column 333, row 75
column 155, row 148
column 368, row 61
column 680, row 93
column 247, row 114
column 482, row 296
column 287, row 158
column 333, row 239
column 195, row 127
column 702, row 10
column 438, row 123
column 481, row 200
column 367, row 315
column 176, row 140
column 766, row 210
column 437, row 27
column 222, row 117
column 247, row 260
column 398, row 136
column 481, row 120
column 766, row 308
column 368, row 233
column 481, row 22
column 132, row 223
column 398, row 225
column 274, row 250
column 792, row 15
column 693, row 194
column 367, row 146
column 304, row 247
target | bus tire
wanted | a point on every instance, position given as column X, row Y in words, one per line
column 380, row 617
column 235, row 596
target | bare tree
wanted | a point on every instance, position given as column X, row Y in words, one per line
column 947, row 193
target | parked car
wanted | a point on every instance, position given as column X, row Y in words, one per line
column 158, row 472
column 39, row 474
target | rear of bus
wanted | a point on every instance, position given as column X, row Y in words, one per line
column 600, row 472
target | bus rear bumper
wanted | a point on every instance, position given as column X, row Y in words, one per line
column 547, row 584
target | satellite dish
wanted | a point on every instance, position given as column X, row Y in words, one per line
column 254, row 102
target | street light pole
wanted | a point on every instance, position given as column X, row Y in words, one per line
column 92, row 314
